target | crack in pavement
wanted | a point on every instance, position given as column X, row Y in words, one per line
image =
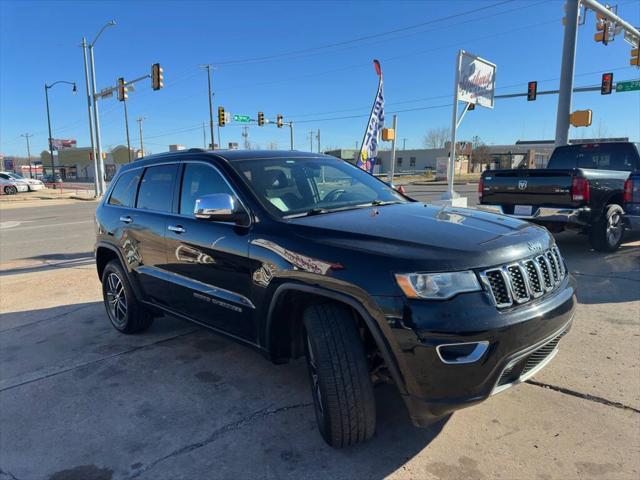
column 55, row 317
column 124, row 352
column 237, row 425
column 584, row 396
column 614, row 277
column 7, row 475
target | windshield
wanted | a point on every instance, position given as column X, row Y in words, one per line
column 306, row 186
column 16, row 176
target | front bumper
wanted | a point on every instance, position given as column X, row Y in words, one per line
column 517, row 346
column 559, row 215
column 35, row 187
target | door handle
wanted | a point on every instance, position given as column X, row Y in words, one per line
column 126, row 219
column 176, row 228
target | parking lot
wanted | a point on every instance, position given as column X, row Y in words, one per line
column 80, row 401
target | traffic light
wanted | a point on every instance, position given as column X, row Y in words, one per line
column 221, row 119
column 635, row 57
column 157, row 78
column 260, row 119
column 122, row 90
column 602, row 27
column 279, row 121
column 532, row 91
column 607, row 84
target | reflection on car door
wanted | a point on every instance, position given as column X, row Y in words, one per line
column 209, row 260
column 146, row 230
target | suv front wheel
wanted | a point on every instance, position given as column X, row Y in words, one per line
column 339, row 375
column 125, row 312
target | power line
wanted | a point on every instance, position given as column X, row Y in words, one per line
column 359, row 39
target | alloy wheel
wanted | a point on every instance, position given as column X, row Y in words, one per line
column 614, row 228
column 116, row 300
column 315, row 384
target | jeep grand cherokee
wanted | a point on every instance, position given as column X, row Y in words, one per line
column 305, row 255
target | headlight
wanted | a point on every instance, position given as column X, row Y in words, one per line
column 437, row 286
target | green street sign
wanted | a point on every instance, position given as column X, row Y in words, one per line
column 628, row 86
column 242, row 118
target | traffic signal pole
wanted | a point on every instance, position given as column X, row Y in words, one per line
column 93, row 146
column 566, row 72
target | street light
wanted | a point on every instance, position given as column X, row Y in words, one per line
column 46, row 95
column 96, row 120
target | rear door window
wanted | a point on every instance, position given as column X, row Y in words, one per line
column 124, row 193
column 156, row 188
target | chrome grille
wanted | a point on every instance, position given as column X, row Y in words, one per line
column 522, row 281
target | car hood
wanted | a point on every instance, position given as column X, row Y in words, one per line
column 434, row 238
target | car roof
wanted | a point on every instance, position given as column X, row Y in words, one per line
column 228, row 155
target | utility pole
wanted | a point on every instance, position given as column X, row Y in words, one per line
column 28, row 136
column 93, row 146
column 204, row 136
column 140, row 120
column 566, row 71
column 318, row 138
column 245, row 137
column 404, row 144
column 291, row 135
column 393, row 150
column 208, row 67
column 126, row 124
column 311, row 141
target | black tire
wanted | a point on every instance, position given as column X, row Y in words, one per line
column 10, row 190
column 607, row 233
column 339, row 375
column 125, row 312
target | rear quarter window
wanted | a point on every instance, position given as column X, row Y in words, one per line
column 124, row 192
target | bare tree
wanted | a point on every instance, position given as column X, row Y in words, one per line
column 436, row 137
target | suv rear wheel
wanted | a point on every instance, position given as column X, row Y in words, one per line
column 125, row 312
column 339, row 375
column 606, row 234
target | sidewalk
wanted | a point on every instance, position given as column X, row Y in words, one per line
column 50, row 196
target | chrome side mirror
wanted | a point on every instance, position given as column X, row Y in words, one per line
column 219, row 207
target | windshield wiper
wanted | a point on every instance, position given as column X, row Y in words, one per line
column 308, row 213
column 377, row 203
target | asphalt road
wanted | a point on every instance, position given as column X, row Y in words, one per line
column 46, row 231
column 80, row 401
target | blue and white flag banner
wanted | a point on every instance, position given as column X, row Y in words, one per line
column 369, row 150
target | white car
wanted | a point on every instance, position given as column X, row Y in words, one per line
column 32, row 183
column 11, row 187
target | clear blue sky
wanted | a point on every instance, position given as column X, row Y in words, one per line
column 39, row 42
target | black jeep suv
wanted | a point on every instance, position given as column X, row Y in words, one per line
column 305, row 255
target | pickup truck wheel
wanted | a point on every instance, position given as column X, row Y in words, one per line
column 606, row 234
column 125, row 312
column 339, row 376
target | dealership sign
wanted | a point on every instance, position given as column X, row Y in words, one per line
column 476, row 81
column 62, row 143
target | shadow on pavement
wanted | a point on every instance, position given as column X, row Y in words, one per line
column 52, row 261
column 176, row 401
